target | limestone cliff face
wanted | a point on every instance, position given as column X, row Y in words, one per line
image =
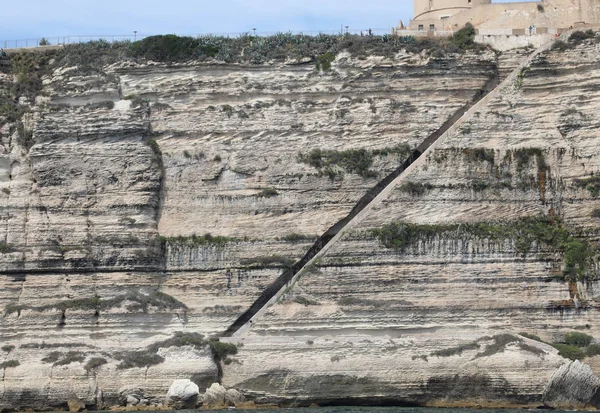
column 144, row 204
column 443, row 274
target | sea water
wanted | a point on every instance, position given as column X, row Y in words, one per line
column 366, row 410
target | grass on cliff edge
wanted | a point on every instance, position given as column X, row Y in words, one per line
column 525, row 233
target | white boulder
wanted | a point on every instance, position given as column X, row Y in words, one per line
column 183, row 394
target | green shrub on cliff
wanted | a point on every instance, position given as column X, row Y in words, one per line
column 355, row 161
column 579, row 36
column 578, row 339
column 94, row 362
column 5, row 248
column 180, row 339
column 531, row 337
column 267, row 193
column 592, row 184
column 9, row 364
column 58, row 358
column 525, row 233
column 498, row 344
column 416, row 188
column 457, row 350
column 221, row 351
column 323, row 62
column 570, row 352
column 131, row 359
column 268, row 261
column 333, row 163
column 592, row 350
column 575, row 39
column 70, row 357
column 8, row 348
column 199, row 240
column 465, row 37
column 295, row 237
column 167, row 48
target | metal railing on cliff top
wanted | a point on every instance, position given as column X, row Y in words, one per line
column 64, row 40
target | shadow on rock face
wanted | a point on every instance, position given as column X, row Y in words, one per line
column 478, row 386
column 283, row 386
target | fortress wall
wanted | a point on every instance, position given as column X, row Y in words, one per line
column 503, row 43
column 555, row 14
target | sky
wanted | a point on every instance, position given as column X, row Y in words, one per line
column 52, row 18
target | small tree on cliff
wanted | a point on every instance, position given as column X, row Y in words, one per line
column 465, row 37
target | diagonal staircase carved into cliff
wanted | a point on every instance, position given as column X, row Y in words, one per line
column 376, row 194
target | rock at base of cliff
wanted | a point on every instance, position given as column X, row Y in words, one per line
column 183, row 394
column 214, row 396
column 217, row 396
column 234, row 397
column 75, row 405
column 573, row 386
column 131, row 396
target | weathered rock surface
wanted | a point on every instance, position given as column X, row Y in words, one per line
column 131, row 397
column 573, row 386
column 84, row 207
column 75, row 405
column 234, row 397
column 183, row 394
column 367, row 322
column 92, row 268
column 215, row 396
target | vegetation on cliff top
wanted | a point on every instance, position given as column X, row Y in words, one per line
column 27, row 69
column 576, row 38
column 525, row 233
column 320, row 49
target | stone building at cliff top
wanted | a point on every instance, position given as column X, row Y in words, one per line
column 508, row 18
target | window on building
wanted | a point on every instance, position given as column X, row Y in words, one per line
column 432, row 27
column 421, row 27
